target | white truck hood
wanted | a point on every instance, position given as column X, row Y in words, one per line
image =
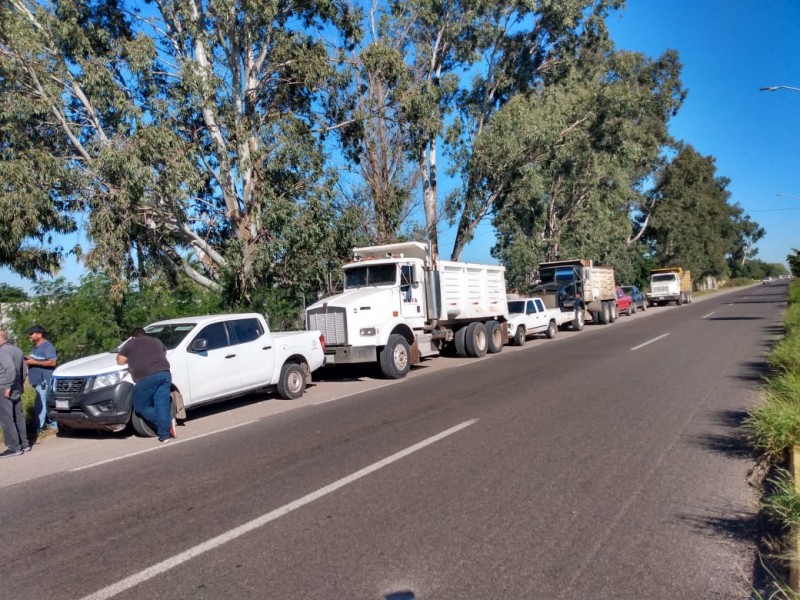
column 352, row 297
column 88, row 366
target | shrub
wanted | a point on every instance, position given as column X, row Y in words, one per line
column 776, row 422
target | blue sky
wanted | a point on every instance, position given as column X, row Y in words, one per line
column 729, row 49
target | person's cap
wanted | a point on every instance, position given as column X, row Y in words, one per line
column 35, row 329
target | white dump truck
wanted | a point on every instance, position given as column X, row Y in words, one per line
column 670, row 284
column 579, row 287
column 400, row 305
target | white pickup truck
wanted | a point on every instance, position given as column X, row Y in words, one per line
column 528, row 316
column 212, row 357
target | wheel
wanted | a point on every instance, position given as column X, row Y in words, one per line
column 613, row 311
column 644, row 306
column 519, row 336
column 578, row 322
column 395, row 357
column 605, row 314
column 495, row 337
column 632, row 309
column 689, row 298
column 679, row 301
column 292, row 382
column 460, row 342
column 141, row 427
column 551, row 330
column 595, row 316
column 477, row 342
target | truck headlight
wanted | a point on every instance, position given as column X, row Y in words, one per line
column 368, row 331
column 105, row 380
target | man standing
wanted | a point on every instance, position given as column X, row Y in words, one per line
column 147, row 361
column 41, row 362
column 12, row 375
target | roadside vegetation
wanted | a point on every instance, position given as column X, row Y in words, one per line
column 775, row 433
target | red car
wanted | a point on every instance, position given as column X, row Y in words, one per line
column 624, row 303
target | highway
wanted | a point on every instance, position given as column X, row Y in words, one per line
column 609, row 463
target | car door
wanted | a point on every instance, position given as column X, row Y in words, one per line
column 255, row 354
column 211, row 372
column 541, row 317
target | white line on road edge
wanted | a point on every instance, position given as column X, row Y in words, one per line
column 708, row 315
column 160, row 447
column 186, row 555
column 655, row 339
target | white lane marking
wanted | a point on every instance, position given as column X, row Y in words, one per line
column 655, row 339
column 160, row 447
column 708, row 315
column 186, row 555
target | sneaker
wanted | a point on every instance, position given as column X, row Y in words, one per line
column 9, row 452
column 172, row 431
column 27, row 449
column 165, row 440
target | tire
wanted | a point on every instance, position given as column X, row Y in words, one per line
column 578, row 322
column 605, row 314
column 689, row 298
column 632, row 309
column 292, row 382
column 460, row 342
column 551, row 330
column 477, row 341
column 494, row 336
column 395, row 359
column 613, row 311
column 644, row 306
column 141, row 427
column 519, row 336
column 679, row 301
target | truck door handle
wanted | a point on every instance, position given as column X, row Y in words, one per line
column 230, row 356
column 267, row 348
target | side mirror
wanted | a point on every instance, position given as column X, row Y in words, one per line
column 199, row 345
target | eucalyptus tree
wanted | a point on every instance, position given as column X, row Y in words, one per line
column 692, row 223
column 186, row 131
column 367, row 114
column 525, row 48
column 568, row 164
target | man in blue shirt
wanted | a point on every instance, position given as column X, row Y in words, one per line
column 41, row 363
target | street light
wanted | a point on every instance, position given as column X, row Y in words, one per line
column 774, row 88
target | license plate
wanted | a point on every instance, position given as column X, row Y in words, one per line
column 62, row 404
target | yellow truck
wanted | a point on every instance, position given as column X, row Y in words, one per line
column 670, row 284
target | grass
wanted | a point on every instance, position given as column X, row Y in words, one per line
column 775, row 430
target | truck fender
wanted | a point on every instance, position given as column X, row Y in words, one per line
column 396, row 326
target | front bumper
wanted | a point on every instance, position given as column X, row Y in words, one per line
column 348, row 355
column 106, row 409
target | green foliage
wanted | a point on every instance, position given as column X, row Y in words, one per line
column 782, row 505
column 10, row 293
column 692, row 224
column 775, row 423
column 84, row 320
column 785, row 355
column 794, row 262
column 794, row 292
column 791, row 320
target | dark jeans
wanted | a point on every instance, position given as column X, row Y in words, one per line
column 151, row 401
column 13, row 423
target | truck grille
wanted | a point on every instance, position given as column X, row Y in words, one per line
column 70, row 386
column 331, row 322
column 661, row 289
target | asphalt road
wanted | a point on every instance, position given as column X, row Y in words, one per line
column 604, row 464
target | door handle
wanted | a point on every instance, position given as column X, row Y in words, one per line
column 267, row 348
column 230, row 356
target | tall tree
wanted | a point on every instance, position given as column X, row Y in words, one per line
column 181, row 127
column 692, row 224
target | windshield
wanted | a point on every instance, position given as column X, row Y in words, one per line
column 627, row 289
column 366, row 275
column 516, row 307
column 170, row 335
column 664, row 277
column 562, row 274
